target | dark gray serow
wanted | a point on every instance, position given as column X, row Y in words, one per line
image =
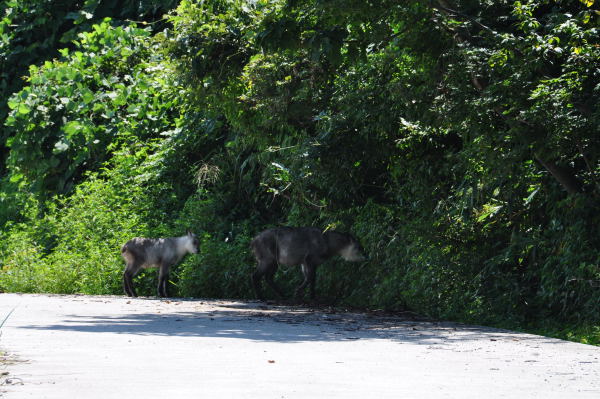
column 163, row 253
column 304, row 246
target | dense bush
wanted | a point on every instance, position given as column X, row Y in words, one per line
column 33, row 31
column 73, row 246
column 76, row 110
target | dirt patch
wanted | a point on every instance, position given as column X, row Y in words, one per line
column 6, row 379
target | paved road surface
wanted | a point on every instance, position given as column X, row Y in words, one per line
column 113, row 347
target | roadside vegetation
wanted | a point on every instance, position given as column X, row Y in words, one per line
column 458, row 140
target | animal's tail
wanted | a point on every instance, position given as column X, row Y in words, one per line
column 127, row 254
column 253, row 246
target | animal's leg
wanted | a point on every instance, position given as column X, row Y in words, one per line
column 312, row 280
column 308, row 271
column 130, row 271
column 163, row 279
column 269, row 279
column 127, row 286
column 266, row 269
column 256, row 276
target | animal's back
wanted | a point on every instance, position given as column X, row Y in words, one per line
column 148, row 251
column 289, row 245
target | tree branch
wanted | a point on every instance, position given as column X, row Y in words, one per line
column 564, row 176
column 443, row 6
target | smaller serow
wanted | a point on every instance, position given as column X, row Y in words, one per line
column 305, row 246
column 163, row 253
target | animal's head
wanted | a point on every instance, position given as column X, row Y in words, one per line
column 352, row 251
column 192, row 244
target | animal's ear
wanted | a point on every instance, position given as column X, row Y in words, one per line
column 189, row 232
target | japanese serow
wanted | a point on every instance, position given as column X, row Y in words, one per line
column 304, row 246
column 163, row 253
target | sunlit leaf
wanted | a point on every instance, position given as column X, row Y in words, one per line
column 23, row 109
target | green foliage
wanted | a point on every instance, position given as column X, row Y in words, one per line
column 71, row 249
column 586, row 334
column 221, row 270
column 74, row 111
column 33, row 31
column 22, row 269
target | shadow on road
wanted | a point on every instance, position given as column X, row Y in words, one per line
column 257, row 322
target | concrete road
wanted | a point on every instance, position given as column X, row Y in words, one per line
column 114, row 347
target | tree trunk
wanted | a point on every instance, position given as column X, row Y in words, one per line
column 564, row 176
